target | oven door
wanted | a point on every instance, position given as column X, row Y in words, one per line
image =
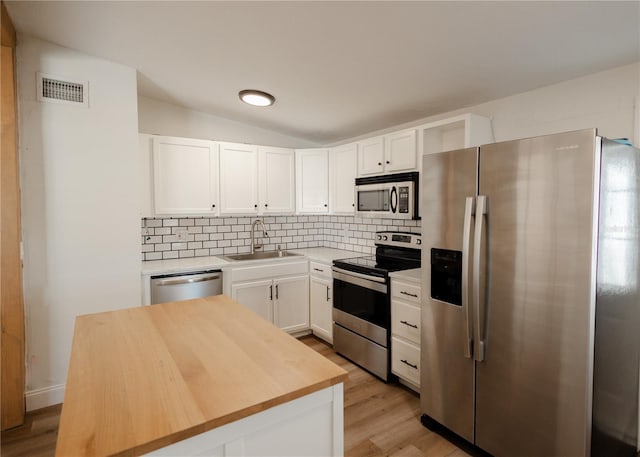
column 361, row 304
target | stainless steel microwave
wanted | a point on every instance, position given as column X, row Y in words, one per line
column 390, row 196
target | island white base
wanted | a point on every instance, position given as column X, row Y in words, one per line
column 312, row 425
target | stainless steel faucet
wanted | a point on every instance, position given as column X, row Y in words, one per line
column 255, row 246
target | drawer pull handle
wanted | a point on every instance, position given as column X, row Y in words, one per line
column 327, row 293
column 410, row 364
column 318, row 269
column 407, row 293
column 410, row 325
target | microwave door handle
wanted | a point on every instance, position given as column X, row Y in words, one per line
column 393, row 199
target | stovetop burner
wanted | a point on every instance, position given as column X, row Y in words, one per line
column 395, row 251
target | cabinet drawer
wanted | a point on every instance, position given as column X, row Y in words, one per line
column 405, row 360
column 405, row 291
column 320, row 269
column 405, row 321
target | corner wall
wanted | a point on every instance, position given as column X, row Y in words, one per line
column 608, row 100
column 80, row 205
column 157, row 117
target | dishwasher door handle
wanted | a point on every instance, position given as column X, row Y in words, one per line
column 187, row 280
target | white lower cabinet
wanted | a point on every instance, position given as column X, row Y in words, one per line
column 405, row 332
column 321, row 300
column 312, row 425
column 279, row 292
column 255, row 295
column 291, row 303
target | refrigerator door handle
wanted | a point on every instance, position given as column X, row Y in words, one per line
column 469, row 208
column 479, row 302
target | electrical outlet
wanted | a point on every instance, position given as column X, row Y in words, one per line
column 181, row 234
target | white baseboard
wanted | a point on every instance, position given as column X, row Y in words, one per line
column 47, row 396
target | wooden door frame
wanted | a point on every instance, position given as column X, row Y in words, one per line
column 12, row 337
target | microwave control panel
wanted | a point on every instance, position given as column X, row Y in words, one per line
column 403, row 199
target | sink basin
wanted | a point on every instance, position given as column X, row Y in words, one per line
column 260, row 255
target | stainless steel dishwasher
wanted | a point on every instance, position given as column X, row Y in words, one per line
column 183, row 286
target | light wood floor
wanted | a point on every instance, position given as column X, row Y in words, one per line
column 379, row 420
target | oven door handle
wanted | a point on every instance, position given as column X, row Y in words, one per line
column 359, row 275
column 359, row 279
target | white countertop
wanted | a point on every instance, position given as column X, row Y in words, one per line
column 328, row 255
column 180, row 265
column 323, row 255
column 414, row 275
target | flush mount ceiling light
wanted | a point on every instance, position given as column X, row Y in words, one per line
column 256, row 97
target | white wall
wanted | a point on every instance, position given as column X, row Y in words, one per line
column 156, row 117
column 607, row 100
column 80, row 205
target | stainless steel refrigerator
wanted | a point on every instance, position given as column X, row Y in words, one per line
column 531, row 302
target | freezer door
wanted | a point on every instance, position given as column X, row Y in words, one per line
column 617, row 348
column 536, row 318
column 449, row 185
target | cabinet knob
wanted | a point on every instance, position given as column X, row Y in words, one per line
column 265, row 205
column 255, row 206
column 353, row 204
column 379, row 163
column 325, row 205
column 213, row 206
column 388, row 162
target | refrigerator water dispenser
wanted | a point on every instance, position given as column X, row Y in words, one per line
column 446, row 276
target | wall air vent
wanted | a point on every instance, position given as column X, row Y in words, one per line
column 61, row 90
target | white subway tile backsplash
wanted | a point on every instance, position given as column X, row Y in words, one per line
column 230, row 235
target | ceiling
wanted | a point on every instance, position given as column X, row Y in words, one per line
column 341, row 69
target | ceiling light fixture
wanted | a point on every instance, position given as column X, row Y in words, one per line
column 256, row 97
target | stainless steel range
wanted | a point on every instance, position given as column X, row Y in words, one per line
column 361, row 300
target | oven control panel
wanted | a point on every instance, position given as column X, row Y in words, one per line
column 399, row 239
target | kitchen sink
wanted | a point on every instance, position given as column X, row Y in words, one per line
column 260, row 255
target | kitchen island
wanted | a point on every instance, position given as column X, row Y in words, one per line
column 199, row 377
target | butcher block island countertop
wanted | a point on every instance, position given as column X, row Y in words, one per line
column 144, row 378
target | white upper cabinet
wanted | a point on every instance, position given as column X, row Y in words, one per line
column 312, row 181
column 400, row 151
column 238, row 179
column 371, row 156
column 344, row 168
column 185, row 176
column 390, row 153
column 277, row 180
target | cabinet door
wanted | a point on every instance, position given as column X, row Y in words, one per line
column 292, row 303
column 321, row 307
column 400, row 151
column 371, row 156
column 344, row 168
column 277, row 180
column 238, row 179
column 255, row 295
column 185, row 176
column 312, row 180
